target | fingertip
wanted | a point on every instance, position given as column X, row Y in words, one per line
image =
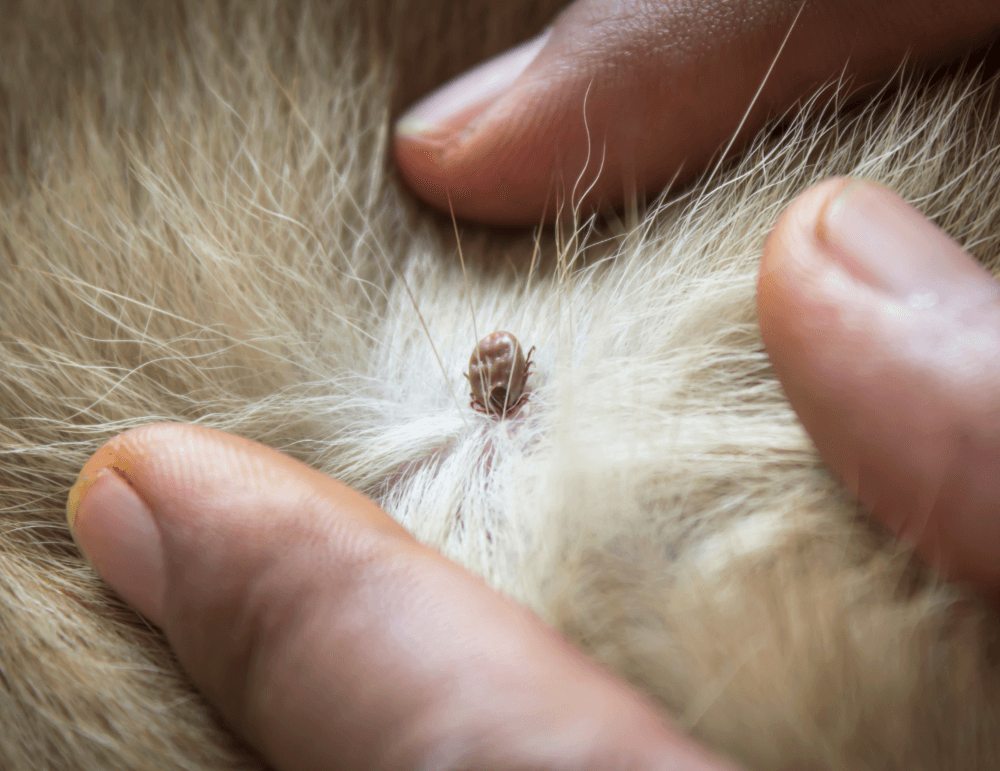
column 818, row 321
column 118, row 534
column 454, row 148
column 420, row 161
column 115, row 508
column 450, row 108
column 793, row 238
column 499, row 174
column 122, row 452
column 793, row 265
column 883, row 333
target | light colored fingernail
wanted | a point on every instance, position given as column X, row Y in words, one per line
column 889, row 244
column 118, row 534
column 76, row 494
column 453, row 105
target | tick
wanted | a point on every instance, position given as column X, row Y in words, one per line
column 498, row 371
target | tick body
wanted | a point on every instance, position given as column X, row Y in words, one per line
column 498, row 372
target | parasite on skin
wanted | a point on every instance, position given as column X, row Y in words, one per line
column 498, row 372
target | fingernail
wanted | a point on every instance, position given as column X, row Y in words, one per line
column 117, row 533
column 890, row 245
column 453, row 105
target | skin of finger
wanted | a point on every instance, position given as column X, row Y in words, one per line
column 901, row 402
column 666, row 85
column 330, row 639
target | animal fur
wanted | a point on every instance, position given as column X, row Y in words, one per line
column 199, row 222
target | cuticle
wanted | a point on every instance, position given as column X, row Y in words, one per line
column 832, row 206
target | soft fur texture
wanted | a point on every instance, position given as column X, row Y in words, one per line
column 199, row 222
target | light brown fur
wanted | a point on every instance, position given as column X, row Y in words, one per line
column 199, row 222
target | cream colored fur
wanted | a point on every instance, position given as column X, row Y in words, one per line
column 199, row 222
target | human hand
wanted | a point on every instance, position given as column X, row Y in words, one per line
column 328, row 637
column 886, row 337
column 666, row 85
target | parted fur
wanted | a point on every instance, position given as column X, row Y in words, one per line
column 199, row 222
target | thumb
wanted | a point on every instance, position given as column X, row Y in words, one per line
column 619, row 97
column 326, row 635
column 885, row 335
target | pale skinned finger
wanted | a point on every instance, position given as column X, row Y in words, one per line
column 885, row 335
column 620, row 97
column 327, row 636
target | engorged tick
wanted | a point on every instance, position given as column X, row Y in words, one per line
column 498, row 371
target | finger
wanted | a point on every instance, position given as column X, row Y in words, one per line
column 326, row 635
column 626, row 95
column 886, row 338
